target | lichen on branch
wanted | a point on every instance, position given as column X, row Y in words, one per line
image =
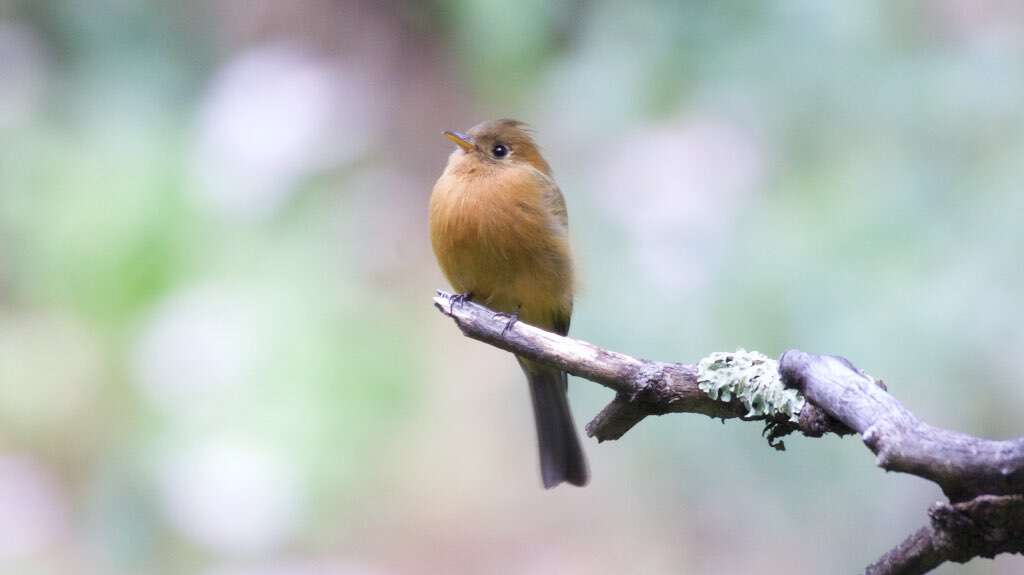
column 751, row 377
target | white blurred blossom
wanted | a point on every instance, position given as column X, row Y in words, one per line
column 197, row 342
column 274, row 115
column 979, row 20
column 675, row 188
column 231, row 497
column 22, row 72
column 35, row 511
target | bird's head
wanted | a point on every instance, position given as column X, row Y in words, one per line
column 498, row 144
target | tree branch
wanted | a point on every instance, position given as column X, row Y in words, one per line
column 984, row 479
column 643, row 387
column 983, row 527
column 962, row 465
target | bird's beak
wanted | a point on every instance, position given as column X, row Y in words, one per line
column 461, row 140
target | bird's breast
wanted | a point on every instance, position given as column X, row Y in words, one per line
column 494, row 236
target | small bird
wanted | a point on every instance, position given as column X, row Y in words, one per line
column 499, row 229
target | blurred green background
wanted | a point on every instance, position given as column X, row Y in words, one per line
column 217, row 349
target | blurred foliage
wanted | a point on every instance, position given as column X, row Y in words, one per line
column 216, row 349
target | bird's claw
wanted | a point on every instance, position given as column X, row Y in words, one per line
column 512, row 319
column 457, row 300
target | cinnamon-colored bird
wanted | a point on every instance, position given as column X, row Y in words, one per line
column 499, row 230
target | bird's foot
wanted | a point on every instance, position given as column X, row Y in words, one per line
column 512, row 319
column 457, row 300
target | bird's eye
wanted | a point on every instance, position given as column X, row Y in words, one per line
column 499, row 150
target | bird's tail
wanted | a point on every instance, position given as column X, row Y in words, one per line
column 561, row 457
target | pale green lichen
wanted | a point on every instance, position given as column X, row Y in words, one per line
column 753, row 378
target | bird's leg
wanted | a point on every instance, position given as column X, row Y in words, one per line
column 458, row 299
column 511, row 317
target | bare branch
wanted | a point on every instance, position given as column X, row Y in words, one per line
column 984, row 479
column 962, row 465
column 643, row 387
column 982, row 527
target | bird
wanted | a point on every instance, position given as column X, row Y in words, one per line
column 499, row 230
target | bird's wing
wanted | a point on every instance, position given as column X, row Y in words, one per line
column 562, row 320
column 554, row 202
column 557, row 204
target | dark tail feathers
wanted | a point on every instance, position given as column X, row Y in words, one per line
column 561, row 457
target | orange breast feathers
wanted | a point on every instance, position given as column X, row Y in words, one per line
column 502, row 235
